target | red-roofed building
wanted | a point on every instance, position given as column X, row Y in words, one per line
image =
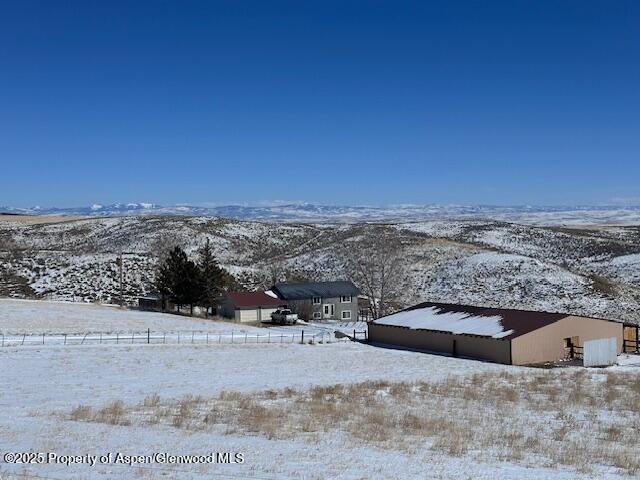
column 516, row 337
column 246, row 307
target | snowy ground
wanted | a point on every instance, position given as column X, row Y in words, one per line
column 42, row 384
column 34, row 316
column 45, row 383
column 72, row 323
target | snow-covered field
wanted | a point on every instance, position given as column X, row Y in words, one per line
column 37, row 317
column 45, row 382
column 42, row 385
column 74, row 323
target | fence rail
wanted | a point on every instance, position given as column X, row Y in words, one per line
column 577, row 352
column 182, row 337
column 631, row 346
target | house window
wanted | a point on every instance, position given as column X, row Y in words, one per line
column 317, row 315
column 345, row 299
column 317, row 300
column 346, row 315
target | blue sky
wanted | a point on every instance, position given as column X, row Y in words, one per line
column 516, row 102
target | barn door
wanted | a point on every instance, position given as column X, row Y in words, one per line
column 630, row 339
column 571, row 347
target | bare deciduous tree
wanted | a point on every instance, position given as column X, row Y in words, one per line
column 374, row 263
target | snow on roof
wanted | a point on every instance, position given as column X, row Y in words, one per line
column 431, row 318
column 271, row 294
column 492, row 322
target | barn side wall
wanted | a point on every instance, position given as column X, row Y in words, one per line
column 481, row 348
column 547, row 343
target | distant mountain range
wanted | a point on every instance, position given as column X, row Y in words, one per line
column 307, row 212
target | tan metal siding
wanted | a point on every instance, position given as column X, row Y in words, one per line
column 547, row 343
column 482, row 348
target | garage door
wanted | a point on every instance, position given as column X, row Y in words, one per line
column 265, row 314
column 248, row 315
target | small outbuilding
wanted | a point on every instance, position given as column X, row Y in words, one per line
column 516, row 337
column 248, row 307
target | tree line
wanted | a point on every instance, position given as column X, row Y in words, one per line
column 194, row 283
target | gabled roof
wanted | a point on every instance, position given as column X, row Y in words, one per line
column 301, row 291
column 465, row 319
column 253, row 299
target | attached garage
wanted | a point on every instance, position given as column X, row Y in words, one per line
column 250, row 307
column 515, row 337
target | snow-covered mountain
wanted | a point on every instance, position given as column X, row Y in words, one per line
column 307, row 212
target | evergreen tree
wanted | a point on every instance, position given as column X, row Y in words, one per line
column 213, row 278
column 179, row 279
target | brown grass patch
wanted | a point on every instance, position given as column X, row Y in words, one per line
column 551, row 417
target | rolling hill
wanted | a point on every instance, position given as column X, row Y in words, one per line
column 587, row 270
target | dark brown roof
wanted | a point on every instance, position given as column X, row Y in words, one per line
column 520, row 322
column 253, row 299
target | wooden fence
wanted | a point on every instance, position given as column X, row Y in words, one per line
column 631, row 346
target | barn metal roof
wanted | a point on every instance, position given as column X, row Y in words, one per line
column 300, row 291
column 470, row 320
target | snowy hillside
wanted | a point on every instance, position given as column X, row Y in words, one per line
column 591, row 271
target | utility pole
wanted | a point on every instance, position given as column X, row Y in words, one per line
column 119, row 262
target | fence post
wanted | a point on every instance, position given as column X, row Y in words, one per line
column 219, row 338
column 132, row 334
column 65, row 338
column 164, row 337
column 269, row 338
column 207, row 338
column 178, row 336
column 354, row 334
column 23, row 336
column 43, row 338
column 302, row 339
column 257, row 341
column 231, row 336
column 148, row 335
column 117, row 338
column 245, row 338
column 100, row 338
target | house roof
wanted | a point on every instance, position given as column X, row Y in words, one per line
column 253, row 299
column 465, row 319
column 300, row 291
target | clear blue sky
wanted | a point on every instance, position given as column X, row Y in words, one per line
column 477, row 102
